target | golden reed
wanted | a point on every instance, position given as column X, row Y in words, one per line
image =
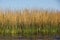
column 29, row 17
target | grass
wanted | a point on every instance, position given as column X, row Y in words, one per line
column 29, row 23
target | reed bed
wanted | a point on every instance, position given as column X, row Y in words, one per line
column 29, row 23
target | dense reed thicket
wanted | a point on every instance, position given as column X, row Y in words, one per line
column 29, row 23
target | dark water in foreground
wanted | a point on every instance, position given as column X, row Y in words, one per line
column 29, row 38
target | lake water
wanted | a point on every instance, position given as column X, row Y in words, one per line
column 29, row 38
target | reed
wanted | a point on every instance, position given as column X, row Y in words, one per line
column 30, row 22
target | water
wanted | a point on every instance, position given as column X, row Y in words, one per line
column 29, row 38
